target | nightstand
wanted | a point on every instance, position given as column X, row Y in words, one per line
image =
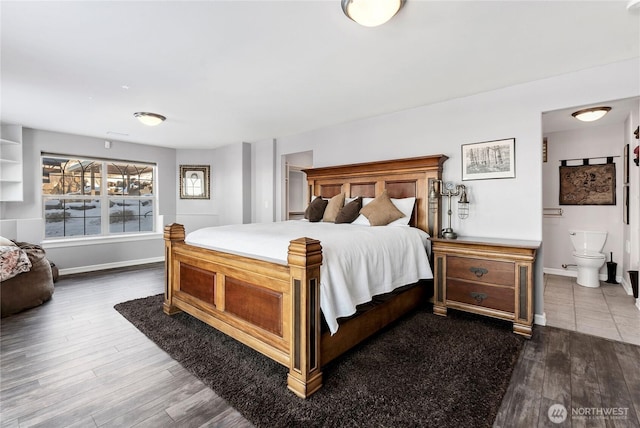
column 492, row 277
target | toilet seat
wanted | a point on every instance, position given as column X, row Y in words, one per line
column 588, row 255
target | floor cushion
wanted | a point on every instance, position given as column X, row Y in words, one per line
column 29, row 289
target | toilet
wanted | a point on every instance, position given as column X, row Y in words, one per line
column 587, row 245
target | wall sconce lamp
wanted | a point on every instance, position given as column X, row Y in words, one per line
column 449, row 190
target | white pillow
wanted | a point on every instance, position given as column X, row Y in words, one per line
column 405, row 205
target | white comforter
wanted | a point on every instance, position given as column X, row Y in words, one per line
column 359, row 262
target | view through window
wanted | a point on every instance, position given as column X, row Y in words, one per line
column 88, row 197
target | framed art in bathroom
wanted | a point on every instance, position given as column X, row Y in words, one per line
column 489, row 159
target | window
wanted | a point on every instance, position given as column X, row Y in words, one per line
column 89, row 197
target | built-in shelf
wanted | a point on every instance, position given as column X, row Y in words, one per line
column 11, row 187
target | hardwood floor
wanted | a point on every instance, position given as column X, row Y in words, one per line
column 75, row 362
column 596, row 380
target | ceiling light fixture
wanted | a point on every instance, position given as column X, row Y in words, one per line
column 633, row 6
column 591, row 114
column 371, row 13
column 149, row 119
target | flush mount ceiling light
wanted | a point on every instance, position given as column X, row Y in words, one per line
column 633, row 6
column 149, row 119
column 591, row 114
column 371, row 13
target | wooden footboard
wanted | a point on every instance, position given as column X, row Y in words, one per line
column 274, row 309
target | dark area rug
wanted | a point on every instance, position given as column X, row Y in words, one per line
column 424, row 370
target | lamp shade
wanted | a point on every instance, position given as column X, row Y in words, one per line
column 149, row 119
column 371, row 13
column 591, row 114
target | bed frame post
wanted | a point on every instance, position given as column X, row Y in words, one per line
column 173, row 233
column 305, row 375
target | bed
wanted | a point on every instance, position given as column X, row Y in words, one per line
column 274, row 307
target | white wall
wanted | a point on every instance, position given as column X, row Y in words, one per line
column 230, row 187
column 593, row 142
column 508, row 208
column 24, row 219
column 264, row 185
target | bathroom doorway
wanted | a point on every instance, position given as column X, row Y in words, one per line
column 609, row 310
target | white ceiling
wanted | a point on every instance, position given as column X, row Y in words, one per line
column 230, row 71
column 561, row 120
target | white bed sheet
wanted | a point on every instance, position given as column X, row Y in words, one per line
column 359, row 262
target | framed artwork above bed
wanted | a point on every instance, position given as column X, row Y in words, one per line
column 489, row 159
column 194, row 181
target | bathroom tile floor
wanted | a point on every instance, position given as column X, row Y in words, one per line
column 607, row 311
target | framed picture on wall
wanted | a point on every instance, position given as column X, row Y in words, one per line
column 489, row 159
column 194, row 181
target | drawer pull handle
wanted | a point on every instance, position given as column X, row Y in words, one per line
column 479, row 297
column 479, row 271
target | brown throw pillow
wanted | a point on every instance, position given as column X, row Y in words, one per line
column 315, row 210
column 381, row 211
column 350, row 212
column 333, row 208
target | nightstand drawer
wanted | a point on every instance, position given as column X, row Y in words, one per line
column 489, row 271
column 500, row 298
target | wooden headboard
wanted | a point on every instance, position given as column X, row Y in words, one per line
column 402, row 178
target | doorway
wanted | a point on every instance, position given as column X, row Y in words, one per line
column 609, row 310
column 296, row 195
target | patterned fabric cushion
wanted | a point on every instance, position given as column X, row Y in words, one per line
column 13, row 260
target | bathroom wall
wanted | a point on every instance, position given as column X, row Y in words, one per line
column 599, row 141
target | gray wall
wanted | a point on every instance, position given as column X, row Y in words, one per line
column 25, row 219
column 231, row 189
column 505, row 208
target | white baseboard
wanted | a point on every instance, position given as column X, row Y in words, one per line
column 104, row 266
column 540, row 319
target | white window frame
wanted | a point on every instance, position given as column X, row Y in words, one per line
column 105, row 233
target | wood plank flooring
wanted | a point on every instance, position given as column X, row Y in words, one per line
column 75, row 362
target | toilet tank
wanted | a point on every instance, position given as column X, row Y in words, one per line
column 588, row 240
